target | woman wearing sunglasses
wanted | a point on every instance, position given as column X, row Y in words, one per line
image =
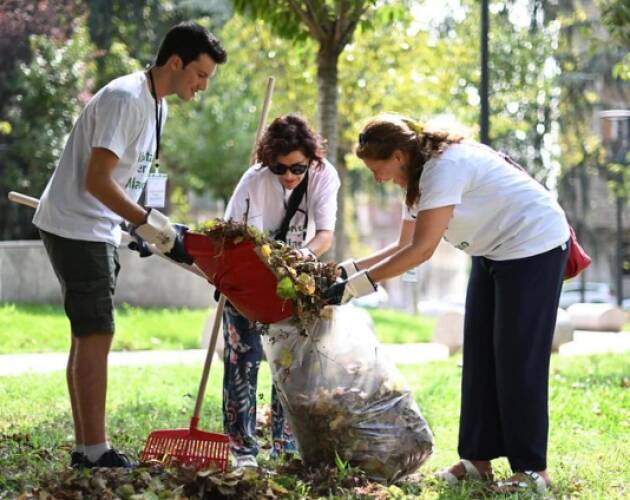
column 517, row 235
column 291, row 193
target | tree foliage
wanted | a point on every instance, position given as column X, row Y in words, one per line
column 139, row 26
column 31, row 74
column 19, row 19
column 616, row 16
column 331, row 24
column 207, row 143
column 41, row 111
column 45, row 80
column 585, row 68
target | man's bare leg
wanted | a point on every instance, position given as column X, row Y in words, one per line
column 76, row 418
column 90, row 383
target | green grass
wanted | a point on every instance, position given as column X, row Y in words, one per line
column 394, row 327
column 44, row 328
column 589, row 445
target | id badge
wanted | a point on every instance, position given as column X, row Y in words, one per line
column 155, row 194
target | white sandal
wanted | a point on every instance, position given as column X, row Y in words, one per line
column 471, row 473
column 533, row 481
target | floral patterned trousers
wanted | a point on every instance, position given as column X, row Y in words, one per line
column 242, row 355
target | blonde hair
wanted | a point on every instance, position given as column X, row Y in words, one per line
column 385, row 133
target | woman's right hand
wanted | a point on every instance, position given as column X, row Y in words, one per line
column 347, row 268
column 345, row 290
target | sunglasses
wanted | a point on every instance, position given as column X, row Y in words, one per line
column 295, row 169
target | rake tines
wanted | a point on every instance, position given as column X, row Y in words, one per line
column 188, row 447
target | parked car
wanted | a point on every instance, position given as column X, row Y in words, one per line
column 599, row 293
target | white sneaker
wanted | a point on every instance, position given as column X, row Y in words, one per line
column 242, row 461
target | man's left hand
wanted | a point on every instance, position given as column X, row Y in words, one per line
column 137, row 244
column 178, row 252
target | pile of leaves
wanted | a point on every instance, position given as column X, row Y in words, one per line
column 301, row 280
column 155, row 482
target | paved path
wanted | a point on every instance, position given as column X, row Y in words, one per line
column 583, row 343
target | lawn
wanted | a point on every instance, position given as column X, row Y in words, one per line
column 44, row 328
column 589, row 447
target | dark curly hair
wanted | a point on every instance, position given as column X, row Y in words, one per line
column 385, row 133
column 286, row 134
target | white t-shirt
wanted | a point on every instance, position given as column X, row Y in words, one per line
column 268, row 198
column 121, row 118
column 500, row 212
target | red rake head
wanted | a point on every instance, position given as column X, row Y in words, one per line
column 188, row 447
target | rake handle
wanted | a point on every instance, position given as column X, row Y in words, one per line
column 208, row 363
column 263, row 116
column 23, row 199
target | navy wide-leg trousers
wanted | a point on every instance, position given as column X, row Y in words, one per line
column 511, row 309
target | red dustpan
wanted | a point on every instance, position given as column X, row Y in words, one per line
column 239, row 274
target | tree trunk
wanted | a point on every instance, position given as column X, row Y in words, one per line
column 339, row 252
column 327, row 81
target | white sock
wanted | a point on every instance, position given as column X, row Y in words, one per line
column 79, row 448
column 94, row 451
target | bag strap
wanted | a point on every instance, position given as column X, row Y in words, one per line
column 292, row 205
column 512, row 162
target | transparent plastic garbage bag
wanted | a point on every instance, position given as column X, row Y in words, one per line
column 342, row 396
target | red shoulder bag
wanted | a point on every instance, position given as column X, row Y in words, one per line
column 578, row 259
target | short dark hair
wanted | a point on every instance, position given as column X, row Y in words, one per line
column 286, row 134
column 189, row 40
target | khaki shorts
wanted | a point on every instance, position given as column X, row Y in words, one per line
column 87, row 271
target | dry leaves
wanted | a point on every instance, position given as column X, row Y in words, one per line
column 301, row 280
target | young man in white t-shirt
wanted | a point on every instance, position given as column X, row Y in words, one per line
column 96, row 185
column 518, row 237
column 290, row 193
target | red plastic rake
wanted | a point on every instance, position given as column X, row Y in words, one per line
column 192, row 446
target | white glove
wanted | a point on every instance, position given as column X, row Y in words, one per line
column 307, row 253
column 343, row 291
column 348, row 268
column 158, row 231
